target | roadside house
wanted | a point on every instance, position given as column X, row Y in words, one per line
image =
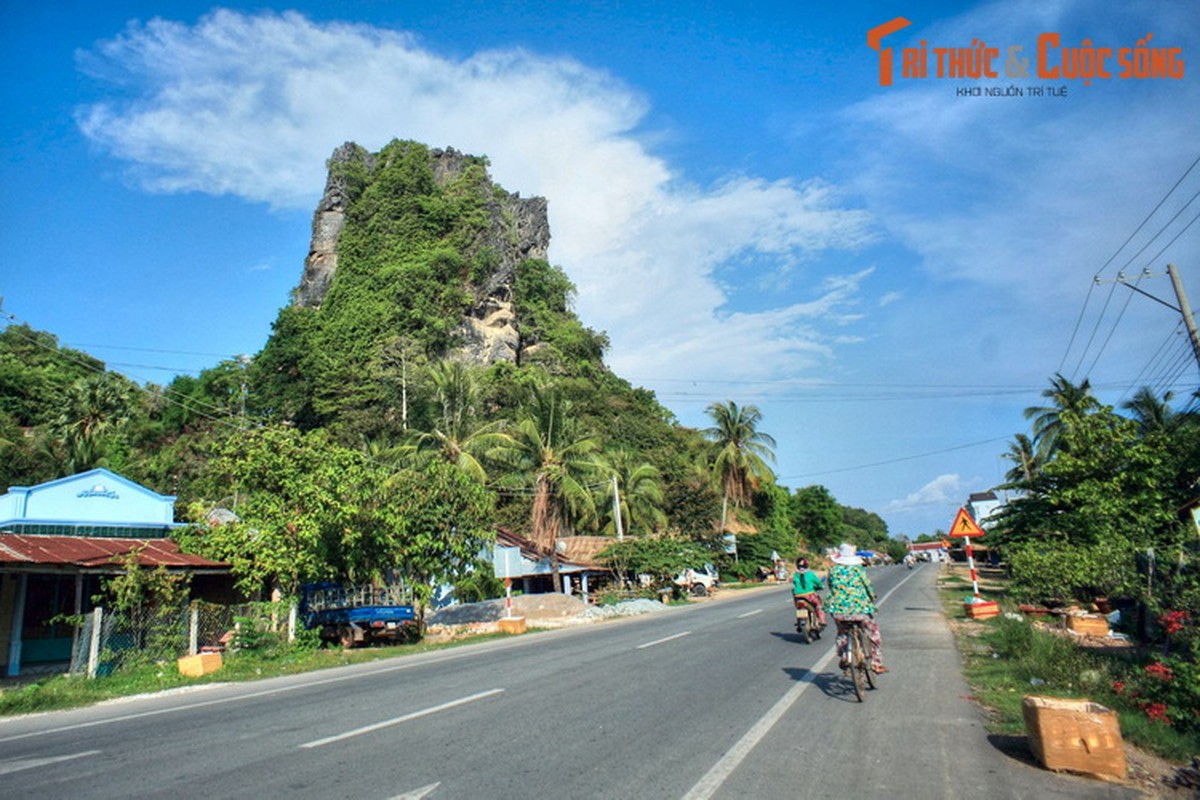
column 518, row 558
column 60, row 538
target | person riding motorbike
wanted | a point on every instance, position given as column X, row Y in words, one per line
column 805, row 586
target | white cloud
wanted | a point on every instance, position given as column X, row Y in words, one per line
column 942, row 490
column 252, row 106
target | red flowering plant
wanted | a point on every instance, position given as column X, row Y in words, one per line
column 1161, row 671
column 1166, row 689
column 1173, row 621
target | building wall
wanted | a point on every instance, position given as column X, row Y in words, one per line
column 97, row 496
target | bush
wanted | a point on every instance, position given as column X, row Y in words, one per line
column 1057, row 572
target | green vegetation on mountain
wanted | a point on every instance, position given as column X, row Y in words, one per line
column 367, row 435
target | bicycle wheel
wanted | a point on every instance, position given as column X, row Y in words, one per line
column 857, row 660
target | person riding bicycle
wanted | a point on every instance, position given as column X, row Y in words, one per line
column 852, row 599
column 805, row 586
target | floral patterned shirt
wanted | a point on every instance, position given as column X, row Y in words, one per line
column 850, row 591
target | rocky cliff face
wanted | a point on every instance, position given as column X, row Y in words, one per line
column 518, row 229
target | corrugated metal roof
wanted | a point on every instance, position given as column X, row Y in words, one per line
column 94, row 552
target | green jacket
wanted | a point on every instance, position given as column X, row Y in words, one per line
column 806, row 582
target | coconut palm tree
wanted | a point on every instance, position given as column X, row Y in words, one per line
column 457, row 437
column 1150, row 413
column 640, row 494
column 742, row 452
column 554, row 461
column 1023, row 454
column 1047, row 420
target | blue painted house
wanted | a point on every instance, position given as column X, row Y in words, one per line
column 59, row 539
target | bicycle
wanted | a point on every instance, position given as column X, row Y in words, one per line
column 860, row 652
column 806, row 621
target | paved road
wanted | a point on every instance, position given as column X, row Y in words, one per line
column 716, row 700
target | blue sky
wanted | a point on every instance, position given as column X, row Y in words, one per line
column 891, row 273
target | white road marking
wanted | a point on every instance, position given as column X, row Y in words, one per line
column 387, row 723
column 712, row 780
column 660, row 641
column 417, row 794
column 750, row 613
column 18, row 764
column 350, row 676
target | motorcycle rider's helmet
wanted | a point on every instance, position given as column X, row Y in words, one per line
column 802, row 563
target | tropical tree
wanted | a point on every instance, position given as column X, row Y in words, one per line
column 1150, row 413
column 1047, row 420
column 430, row 525
column 639, row 492
column 741, row 452
column 299, row 501
column 816, row 517
column 551, row 458
column 1026, row 463
column 457, row 437
column 93, row 408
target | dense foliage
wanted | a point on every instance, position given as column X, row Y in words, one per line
column 356, row 442
column 1101, row 512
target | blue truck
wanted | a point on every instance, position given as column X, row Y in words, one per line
column 356, row 616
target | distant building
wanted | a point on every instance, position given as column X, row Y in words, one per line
column 982, row 505
column 58, row 539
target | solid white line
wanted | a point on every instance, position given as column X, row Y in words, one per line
column 30, row 763
column 720, row 772
column 750, row 613
column 660, row 641
column 387, row 723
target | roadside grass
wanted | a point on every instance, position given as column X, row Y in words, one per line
column 1006, row 659
column 56, row 692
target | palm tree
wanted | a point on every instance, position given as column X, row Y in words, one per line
column 640, row 494
column 92, row 409
column 457, row 439
column 1047, row 420
column 1149, row 412
column 1023, row 454
column 555, row 462
column 742, row 452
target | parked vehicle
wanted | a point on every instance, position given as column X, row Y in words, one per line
column 354, row 616
column 699, row 583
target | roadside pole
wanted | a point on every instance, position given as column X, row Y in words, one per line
column 966, row 527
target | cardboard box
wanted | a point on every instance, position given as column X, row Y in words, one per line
column 982, row 610
column 1088, row 625
column 201, row 664
column 1074, row 736
column 512, row 624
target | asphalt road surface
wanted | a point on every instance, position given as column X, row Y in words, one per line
column 719, row 699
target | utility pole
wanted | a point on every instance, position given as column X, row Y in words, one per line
column 1186, row 310
column 617, row 510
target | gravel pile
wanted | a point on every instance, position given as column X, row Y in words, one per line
column 626, row 608
column 542, row 608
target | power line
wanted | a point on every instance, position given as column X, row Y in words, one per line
column 896, row 460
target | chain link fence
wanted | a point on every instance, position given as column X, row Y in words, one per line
column 109, row 640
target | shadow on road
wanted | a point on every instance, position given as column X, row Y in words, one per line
column 833, row 684
column 790, row 636
column 1013, row 746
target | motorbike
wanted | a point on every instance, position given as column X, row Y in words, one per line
column 806, row 620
